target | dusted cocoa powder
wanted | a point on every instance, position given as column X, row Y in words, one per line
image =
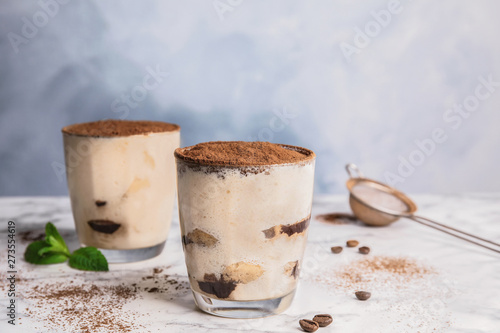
column 240, row 153
column 117, row 128
column 377, row 271
column 89, row 302
column 337, row 218
column 83, row 308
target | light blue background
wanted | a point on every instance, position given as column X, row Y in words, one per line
column 232, row 65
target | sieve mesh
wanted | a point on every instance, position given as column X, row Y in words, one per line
column 378, row 198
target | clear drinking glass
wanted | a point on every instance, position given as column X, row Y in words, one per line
column 244, row 231
column 121, row 181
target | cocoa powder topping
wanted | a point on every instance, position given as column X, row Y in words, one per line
column 241, row 153
column 116, row 128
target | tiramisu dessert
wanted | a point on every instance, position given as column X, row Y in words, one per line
column 121, row 180
column 244, row 209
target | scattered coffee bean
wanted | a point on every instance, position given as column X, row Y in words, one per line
column 323, row 320
column 362, row 295
column 336, row 249
column 352, row 243
column 308, row 325
column 364, row 250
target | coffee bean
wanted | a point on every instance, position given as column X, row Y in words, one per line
column 364, row 250
column 308, row 325
column 336, row 249
column 352, row 243
column 362, row 295
column 323, row 320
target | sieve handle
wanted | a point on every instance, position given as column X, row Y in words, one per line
column 351, row 168
column 438, row 226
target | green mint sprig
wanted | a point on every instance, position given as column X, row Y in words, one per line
column 53, row 250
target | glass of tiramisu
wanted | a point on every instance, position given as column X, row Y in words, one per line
column 121, row 181
column 244, row 209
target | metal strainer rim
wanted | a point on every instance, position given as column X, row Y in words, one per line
column 353, row 181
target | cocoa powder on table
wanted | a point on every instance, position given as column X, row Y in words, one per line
column 381, row 271
column 337, row 218
column 83, row 308
column 90, row 302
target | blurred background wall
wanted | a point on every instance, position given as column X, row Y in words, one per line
column 408, row 90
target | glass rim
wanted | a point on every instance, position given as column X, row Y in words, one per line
column 310, row 157
column 65, row 130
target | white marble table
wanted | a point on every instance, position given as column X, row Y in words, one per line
column 464, row 296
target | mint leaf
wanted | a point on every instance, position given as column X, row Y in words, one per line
column 34, row 254
column 54, row 246
column 53, row 237
column 53, row 250
column 88, row 259
column 51, row 230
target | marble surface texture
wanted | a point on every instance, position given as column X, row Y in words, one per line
column 462, row 296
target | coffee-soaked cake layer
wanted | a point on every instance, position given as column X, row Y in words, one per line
column 241, row 153
column 117, row 128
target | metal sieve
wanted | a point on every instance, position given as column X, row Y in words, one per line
column 378, row 204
